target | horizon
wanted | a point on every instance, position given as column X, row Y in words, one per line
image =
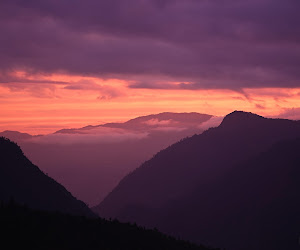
column 40, row 129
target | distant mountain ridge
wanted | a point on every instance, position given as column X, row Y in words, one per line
column 15, row 135
column 179, row 189
column 100, row 156
column 25, row 183
column 144, row 122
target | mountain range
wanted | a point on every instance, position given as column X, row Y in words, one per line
column 151, row 122
column 36, row 212
column 235, row 186
column 90, row 161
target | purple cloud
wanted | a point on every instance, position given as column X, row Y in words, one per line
column 105, row 91
column 210, row 44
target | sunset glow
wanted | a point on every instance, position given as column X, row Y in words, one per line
column 63, row 101
column 68, row 66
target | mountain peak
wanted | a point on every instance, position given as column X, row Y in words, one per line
column 237, row 117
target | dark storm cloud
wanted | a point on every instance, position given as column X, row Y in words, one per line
column 9, row 77
column 209, row 43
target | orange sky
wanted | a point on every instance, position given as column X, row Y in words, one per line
column 45, row 107
column 93, row 62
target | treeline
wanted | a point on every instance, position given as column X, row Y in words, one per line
column 24, row 228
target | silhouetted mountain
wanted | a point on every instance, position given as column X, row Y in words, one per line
column 235, row 186
column 100, row 156
column 147, row 122
column 15, row 135
column 25, row 183
column 22, row 228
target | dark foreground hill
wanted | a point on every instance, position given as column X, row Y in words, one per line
column 27, row 229
column 27, row 184
column 235, row 186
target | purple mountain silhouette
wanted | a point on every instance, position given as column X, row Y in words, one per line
column 15, row 135
column 26, row 184
column 235, row 186
column 150, row 122
column 91, row 161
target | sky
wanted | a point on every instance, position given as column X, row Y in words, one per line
column 70, row 63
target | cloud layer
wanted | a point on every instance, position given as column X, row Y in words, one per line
column 104, row 135
column 202, row 44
